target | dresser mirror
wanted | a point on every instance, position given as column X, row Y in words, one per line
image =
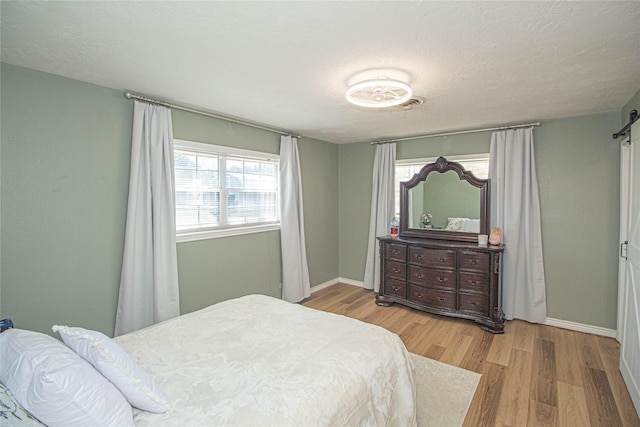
column 446, row 202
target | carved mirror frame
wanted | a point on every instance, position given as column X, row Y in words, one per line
column 442, row 165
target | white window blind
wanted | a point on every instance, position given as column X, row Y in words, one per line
column 222, row 191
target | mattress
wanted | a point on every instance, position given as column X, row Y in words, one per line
column 261, row 361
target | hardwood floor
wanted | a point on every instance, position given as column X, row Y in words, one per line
column 532, row 375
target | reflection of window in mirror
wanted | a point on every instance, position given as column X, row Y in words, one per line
column 478, row 164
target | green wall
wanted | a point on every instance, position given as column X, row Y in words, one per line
column 578, row 165
column 578, row 173
column 64, row 171
column 319, row 168
column 354, row 195
column 64, row 178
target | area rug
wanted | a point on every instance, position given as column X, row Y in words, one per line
column 444, row 392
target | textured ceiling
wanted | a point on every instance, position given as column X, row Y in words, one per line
column 287, row 64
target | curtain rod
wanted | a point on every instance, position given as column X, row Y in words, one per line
column 526, row 125
column 633, row 116
column 130, row 95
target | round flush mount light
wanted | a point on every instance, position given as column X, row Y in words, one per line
column 378, row 93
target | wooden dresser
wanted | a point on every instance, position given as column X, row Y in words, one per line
column 457, row 279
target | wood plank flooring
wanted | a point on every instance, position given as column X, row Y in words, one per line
column 532, row 375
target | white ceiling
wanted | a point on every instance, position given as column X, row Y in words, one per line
column 287, row 64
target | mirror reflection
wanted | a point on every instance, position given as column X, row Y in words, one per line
column 444, row 202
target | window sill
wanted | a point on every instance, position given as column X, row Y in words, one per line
column 191, row 236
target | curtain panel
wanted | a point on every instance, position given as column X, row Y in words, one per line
column 515, row 208
column 382, row 209
column 149, row 280
column 295, row 271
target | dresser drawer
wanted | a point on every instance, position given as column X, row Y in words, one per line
column 396, row 270
column 473, row 282
column 454, row 279
column 430, row 277
column 432, row 297
column 472, row 303
column 439, row 258
column 395, row 287
column 474, row 261
column 395, row 251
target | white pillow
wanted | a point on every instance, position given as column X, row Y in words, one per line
column 112, row 361
column 472, row 225
column 56, row 385
column 455, row 224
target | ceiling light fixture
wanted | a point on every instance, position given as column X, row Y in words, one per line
column 379, row 93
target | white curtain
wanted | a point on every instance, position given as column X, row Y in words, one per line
column 515, row 208
column 382, row 209
column 295, row 271
column 149, row 280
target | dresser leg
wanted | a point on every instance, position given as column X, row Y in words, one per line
column 494, row 329
column 383, row 301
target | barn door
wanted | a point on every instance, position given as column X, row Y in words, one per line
column 630, row 342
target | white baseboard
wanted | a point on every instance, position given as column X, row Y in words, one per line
column 564, row 324
column 350, row 282
column 581, row 327
column 337, row 280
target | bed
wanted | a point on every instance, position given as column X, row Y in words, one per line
column 260, row 361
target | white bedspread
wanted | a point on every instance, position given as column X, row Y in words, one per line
column 260, row 361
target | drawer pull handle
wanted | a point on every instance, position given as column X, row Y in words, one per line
column 442, row 260
column 396, row 288
column 396, row 270
column 474, row 283
column 419, row 276
column 419, row 256
column 473, row 304
column 442, row 279
column 395, row 252
column 441, row 299
column 419, row 295
column 474, row 262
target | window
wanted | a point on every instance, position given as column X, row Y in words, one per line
column 478, row 164
column 223, row 191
